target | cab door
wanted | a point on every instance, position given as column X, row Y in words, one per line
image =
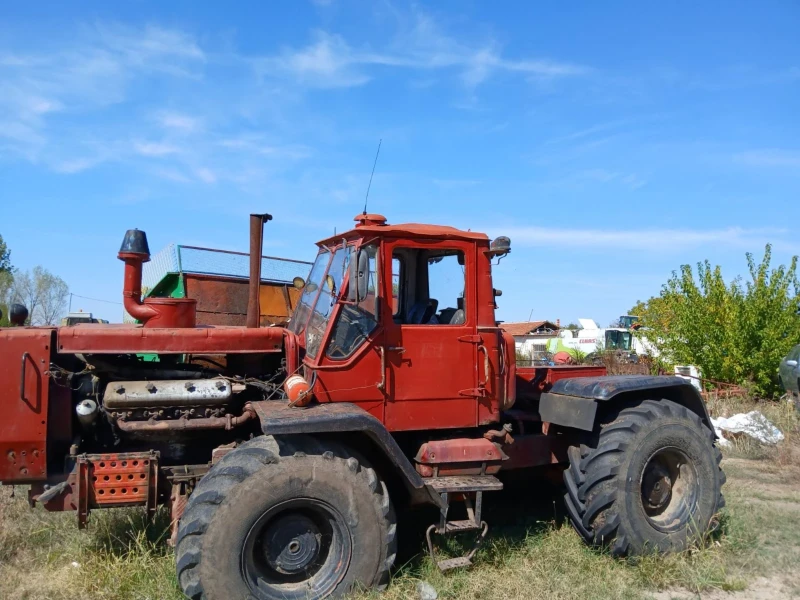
column 431, row 337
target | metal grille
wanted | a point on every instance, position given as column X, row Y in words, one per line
column 161, row 263
column 237, row 264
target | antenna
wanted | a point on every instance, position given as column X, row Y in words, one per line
column 373, row 173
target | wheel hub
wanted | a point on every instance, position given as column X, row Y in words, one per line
column 657, row 486
column 669, row 489
column 291, row 544
column 296, row 548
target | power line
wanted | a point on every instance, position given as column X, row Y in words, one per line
column 93, row 299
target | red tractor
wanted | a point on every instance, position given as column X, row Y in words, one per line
column 285, row 454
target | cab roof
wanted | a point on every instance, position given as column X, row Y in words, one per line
column 376, row 225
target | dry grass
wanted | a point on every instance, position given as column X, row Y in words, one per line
column 530, row 551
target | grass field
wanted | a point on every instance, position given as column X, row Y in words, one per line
column 530, row 550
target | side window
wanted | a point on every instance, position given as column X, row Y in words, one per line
column 356, row 322
column 437, row 296
column 397, row 277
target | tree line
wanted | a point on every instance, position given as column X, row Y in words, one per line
column 42, row 293
column 736, row 332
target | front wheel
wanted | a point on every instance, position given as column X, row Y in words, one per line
column 286, row 519
column 649, row 482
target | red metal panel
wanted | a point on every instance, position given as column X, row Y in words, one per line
column 458, row 450
column 532, row 381
column 118, row 339
column 430, row 414
column 431, row 373
column 119, row 479
column 536, row 450
column 24, row 397
column 489, row 376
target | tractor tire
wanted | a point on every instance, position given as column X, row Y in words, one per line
column 286, row 518
column 649, row 482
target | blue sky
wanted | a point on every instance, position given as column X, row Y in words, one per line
column 611, row 141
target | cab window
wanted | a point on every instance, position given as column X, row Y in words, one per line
column 430, row 286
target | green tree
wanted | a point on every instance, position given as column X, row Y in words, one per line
column 6, row 281
column 5, row 257
column 735, row 332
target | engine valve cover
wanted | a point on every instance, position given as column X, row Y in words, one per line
column 176, row 392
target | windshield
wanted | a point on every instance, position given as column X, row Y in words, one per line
column 318, row 298
column 313, row 282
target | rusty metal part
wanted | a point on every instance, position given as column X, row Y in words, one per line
column 223, row 300
column 256, row 244
column 111, row 480
column 227, row 423
column 218, row 453
column 178, row 499
column 182, row 480
column 501, row 436
column 176, row 392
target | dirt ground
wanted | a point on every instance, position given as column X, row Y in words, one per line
column 771, row 494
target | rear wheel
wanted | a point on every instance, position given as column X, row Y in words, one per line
column 286, row 519
column 649, row 482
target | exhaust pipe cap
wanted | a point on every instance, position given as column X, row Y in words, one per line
column 135, row 242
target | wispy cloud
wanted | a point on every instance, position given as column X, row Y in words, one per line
column 205, row 175
column 91, row 71
column 76, row 165
column 639, row 239
column 154, row 148
column 329, row 61
column 179, row 122
column 769, row 157
column 629, row 180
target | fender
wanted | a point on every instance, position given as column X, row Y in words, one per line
column 574, row 402
column 341, row 417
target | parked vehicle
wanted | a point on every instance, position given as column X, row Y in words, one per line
column 286, row 454
column 789, row 372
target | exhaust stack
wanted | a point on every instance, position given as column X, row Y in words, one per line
column 256, row 245
column 151, row 312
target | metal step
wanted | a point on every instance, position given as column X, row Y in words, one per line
column 458, row 526
column 464, row 483
column 453, row 563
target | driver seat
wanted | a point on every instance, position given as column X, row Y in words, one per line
column 422, row 312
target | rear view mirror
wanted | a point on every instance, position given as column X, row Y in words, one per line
column 359, row 277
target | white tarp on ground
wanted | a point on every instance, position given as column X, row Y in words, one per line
column 752, row 424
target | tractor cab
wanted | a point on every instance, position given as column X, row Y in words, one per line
column 400, row 319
